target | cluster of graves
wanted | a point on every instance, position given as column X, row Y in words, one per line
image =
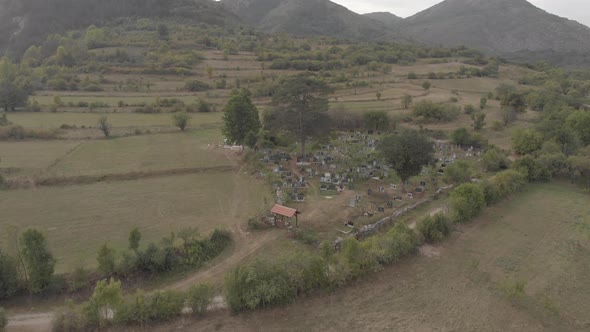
column 346, row 161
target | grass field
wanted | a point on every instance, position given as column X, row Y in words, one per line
column 55, row 120
column 31, row 157
column 142, row 154
column 79, row 219
column 540, row 237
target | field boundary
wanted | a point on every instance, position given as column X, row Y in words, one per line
column 28, row 183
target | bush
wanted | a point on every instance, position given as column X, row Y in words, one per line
column 148, row 109
column 360, row 259
column 195, row 85
column 469, row 109
column 525, row 141
column 502, row 185
column 459, row 172
column 106, row 260
column 468, row 201
column 3, row 319
column 430, row 111
column 533, row 169
column 307, row 236
column 400, row 241
column 78, row 279
column 494, row 160
column 435, row 228
column 70, row 318
column 140, row 309
column 258, row 285
column 199, row 299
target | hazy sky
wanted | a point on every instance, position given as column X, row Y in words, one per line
column 578, row 10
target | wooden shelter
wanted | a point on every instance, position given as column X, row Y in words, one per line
column 284, row 212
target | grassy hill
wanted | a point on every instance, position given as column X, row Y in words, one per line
column 385, row 17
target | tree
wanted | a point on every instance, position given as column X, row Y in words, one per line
column 181, row 120
column 461, row 136
column 407, row 101
column 378, row 95
column 301, row 107
column 426, row 86
column 107, row 296
column 12, row 96
column 104, row 126
column 134, row 239
column 240, row 119
column 407, row 153
column 8, row 276
column 483, row 102
column 525, row 141
column 38, row 260
column 106, row 260
column 376, row 120
column 579, row 122
column 479, row 120
column 3, row 319
column 494, row 160
column 512, row 105
column 163, row 32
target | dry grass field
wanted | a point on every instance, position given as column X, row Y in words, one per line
column 78, row 219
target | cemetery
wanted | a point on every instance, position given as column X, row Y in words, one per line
column 348, row 172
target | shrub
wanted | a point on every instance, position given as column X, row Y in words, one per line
column 494, row 160
column 181, row 120
column 204, row 107
column 468, row 200
column 360, row 259
column 195, row 85
column 307, row 236
column 502, row 185
column 430, row 111
column 469, row 109
column 78, row 279
column 525, row 141
column 400, row 241
column 435, row 228
column 140, row 309
column 199, row 299
column 258, row 285
column 70, row 318
column 412, row 76
column 459, row 172
column 532, row 168
column 148, row 109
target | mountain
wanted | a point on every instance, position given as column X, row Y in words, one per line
column 27, row 22
column 387, row 18
column 496, row 27
column 306, row 17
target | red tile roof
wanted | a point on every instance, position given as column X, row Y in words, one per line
column 284, row 211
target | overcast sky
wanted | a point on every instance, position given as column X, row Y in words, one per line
column 578, row 10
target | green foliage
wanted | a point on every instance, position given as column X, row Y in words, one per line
column 435, row 228
column 430, row 111
column 494, row 160
column 9, row 283
column 12, row 96
column 181, row 120
column 204, row 107
column 104, row 126
column 106, row 260
column 376, row 120
column 526, row 141
column 78, row 279
column 301, row 107
column 258, row 285
column 532, row 168
column 426, row 86
column 3, row 319
column 407, row 101
column 512, row 105
column 38, row 259
column 479, row 120
column 141, row 309
column 578, row 168
column 468, row 201
column 107, row 296
column 240, row 119
column 195, row 86
column 359, row 257
column 458, row 172
column 469, row 109
column 407, row 153
column 462, row 137
column 579, row 122
column 307, row 236
column 483, row 102
column 70, row 318
column 513, row 289
column 199, row 299
column 134, row 239
column 503, row 185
